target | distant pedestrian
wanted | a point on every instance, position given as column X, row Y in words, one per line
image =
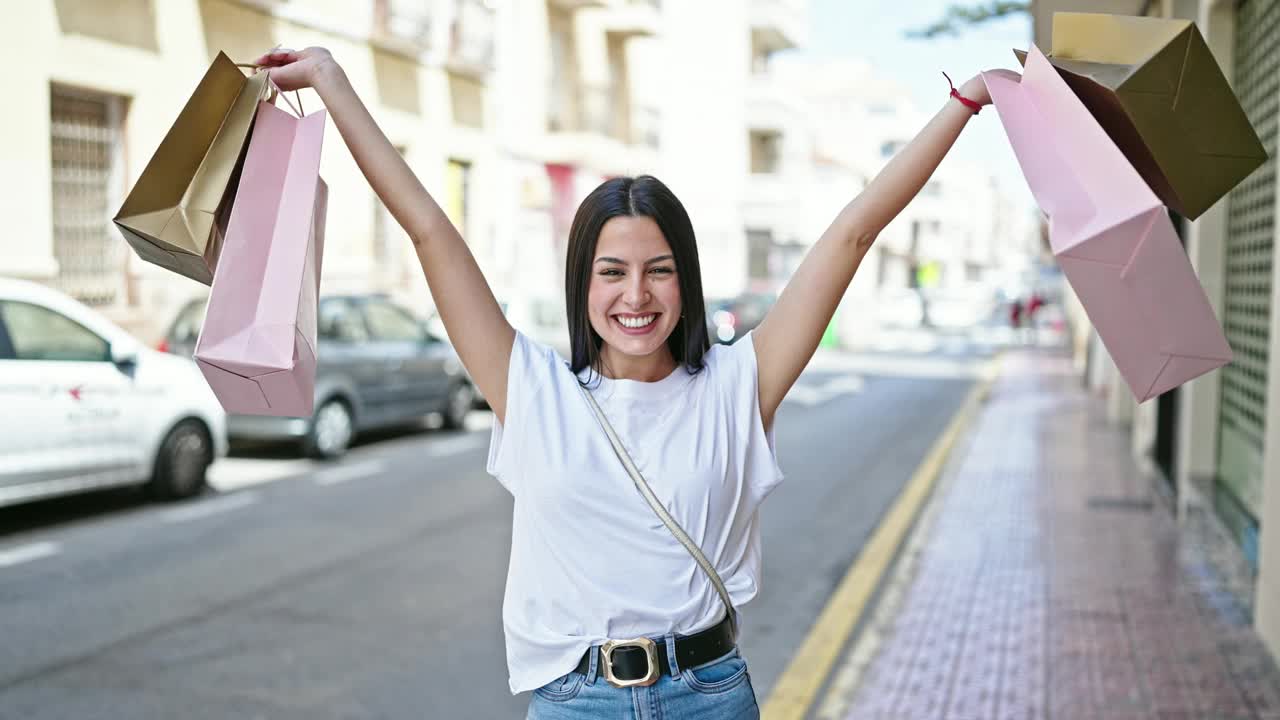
column 605, row 612
column 1015, row 317
column 1034, row 303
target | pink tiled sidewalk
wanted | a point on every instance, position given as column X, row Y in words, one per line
column 1053, row 583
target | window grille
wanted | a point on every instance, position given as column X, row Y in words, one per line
column 87, row 186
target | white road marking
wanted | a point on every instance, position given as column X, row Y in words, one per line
column 203, row 509
column 845, row 384
column 229, row 474
column 27, row 553
column 455, row 445
column 811, row 395
column 901, row 365
column 350, row 472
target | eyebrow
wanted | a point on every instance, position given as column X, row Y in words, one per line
column 650, row 261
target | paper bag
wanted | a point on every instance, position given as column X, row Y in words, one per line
column 170, row 215
column 257, row 348
column 1111, row 235
column 1156, row 89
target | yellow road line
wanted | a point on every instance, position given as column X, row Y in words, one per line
column 799, row 684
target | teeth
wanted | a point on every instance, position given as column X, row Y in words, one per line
column 637, row 322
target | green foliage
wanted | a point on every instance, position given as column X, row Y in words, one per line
column 958, row 16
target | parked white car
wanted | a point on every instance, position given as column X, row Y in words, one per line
column 86, row 406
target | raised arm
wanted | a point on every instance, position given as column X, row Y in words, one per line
column 478, row 329
column 787, row 337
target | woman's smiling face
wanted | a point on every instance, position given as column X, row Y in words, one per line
column 633, row 301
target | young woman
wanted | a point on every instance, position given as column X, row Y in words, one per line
column 591, row 563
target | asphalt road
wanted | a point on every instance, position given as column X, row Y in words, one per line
column 372, row 588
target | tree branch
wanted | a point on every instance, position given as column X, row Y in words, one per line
column 960, row 15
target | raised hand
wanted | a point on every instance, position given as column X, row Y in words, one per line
column 295, row 69
column 975, row 88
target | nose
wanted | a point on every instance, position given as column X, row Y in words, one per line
column 637, row 293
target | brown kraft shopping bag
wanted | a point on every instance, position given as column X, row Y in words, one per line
column 1156, row 89
column 171, row 216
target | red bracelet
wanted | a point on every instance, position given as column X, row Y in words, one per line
column 975, row 107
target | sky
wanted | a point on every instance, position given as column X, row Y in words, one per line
column 874, row 30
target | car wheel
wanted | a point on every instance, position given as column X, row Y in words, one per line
column 461, row 398
column 331, row 431
column 182, row 464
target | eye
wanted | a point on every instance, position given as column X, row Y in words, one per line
column 663, row 270
column 611, row 272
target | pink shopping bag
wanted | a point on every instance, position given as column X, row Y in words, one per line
column 1111, row 235
column 257, row 348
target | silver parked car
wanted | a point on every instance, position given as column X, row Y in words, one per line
column 377, row 366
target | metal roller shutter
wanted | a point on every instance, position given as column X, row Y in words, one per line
column 1251, row 213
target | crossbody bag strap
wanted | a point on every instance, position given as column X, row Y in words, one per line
column 661, row 511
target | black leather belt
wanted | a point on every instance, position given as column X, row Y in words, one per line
column 630, row 661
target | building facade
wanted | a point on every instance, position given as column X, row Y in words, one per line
column 509, row 112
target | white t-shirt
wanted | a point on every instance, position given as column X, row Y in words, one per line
column 590, row 560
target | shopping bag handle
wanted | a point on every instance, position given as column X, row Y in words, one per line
column 275, row 90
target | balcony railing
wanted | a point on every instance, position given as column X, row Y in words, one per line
column 471, row 37
column 597, row 110
column 572, row 5
column 405, row 25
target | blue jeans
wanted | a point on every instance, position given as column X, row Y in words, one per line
column 718, row 690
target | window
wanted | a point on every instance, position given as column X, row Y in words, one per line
column 6, row 347
column 561, row 93
column 759, row 252
column 466, row 97
column 38, row 333
column 339, row 321
column 186, row 327
column 766, row 148
column 121, row 22
column 87, row 187
column 389, row 323
column 457, row 193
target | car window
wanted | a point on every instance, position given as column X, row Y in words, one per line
column 38, row 333
column 186, row 327
column 390, row 323
column 6, row 347
column 338, row 320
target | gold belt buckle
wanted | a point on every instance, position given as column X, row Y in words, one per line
column 650, row 653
